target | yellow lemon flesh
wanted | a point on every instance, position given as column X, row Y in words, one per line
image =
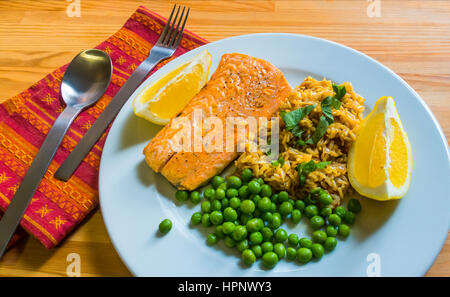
column 380, row 160
column 167, row 96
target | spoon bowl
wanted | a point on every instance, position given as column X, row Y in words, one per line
column 86, row 78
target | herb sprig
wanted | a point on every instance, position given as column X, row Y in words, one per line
column 327, row 118
column 305, row 168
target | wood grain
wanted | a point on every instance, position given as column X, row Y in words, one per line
column 411, row 37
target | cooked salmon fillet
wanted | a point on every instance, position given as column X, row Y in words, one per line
column 242, row 86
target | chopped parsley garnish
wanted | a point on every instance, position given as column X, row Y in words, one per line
column 320, row 131
column 327, row 114
column 305, row 168
column 292, row 118
column 340, row 91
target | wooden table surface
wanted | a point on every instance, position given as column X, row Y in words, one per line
column 410, row 37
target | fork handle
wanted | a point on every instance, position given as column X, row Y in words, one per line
column 74, row 159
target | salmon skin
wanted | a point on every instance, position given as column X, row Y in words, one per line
column 242, row 86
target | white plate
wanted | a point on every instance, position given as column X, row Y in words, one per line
column 394, row 238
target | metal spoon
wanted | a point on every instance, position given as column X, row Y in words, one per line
column 85, row 81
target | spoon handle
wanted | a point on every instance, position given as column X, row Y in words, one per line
column 34, row 175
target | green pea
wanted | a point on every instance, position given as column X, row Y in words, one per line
column 354, row 205
column 223, row 186
column 239, row 233
column 316, row 191
column 267, row 216
column 331, row 231
column 230, row 215
column 274, row 198
column 229, row 242
column 300, row 205
column 291, row 253
column 283, row 196
column 234, row 181
column 319, row 236
column 285, row 208
column 273, row 207
column 206, row 206
column 254, row 187
column 280, row 250
column 165, row 226
column 266, row 191
column 255, row 198
column 296, row 216
column 293, row 240
column 219, row 232
column 317, row 250
column 212, row 239
column 305, row 242
column 225, row 202
column 344, row 230
column 246, row 174
column 235, row 203
column 304, row 255
column 257, row 250
column 281, row 235
column 334, row 219
column 317, row 222
column 209, row 193
column 216, row 217
column 256, row 238
column 257, row 213
column 216, row 205
column 244, row 218
column 325, row 212
column 230, row 193
column 254, row 225
column 181, row 195
column 228, row 227
column 267, row 234
column 244, row 192
column 349, row 217
column 242, row 245
column 217, row 181
column 206, row 220
column 330, row 243
column 220, row 194
column 340, row 211
column 248, row 257
column 260, row 181
column 195, row 197
column 267, row 247
column 270, row 259
column 264, row 204
column 196, row 218
column 247, row 207
column 311, row 210
column 275, row 223
column 325, row 198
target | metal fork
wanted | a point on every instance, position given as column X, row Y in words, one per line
column 163, row 49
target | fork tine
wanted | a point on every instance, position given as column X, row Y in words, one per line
column 175, row 34
column 166, row 27
column 180, row 33
column 171, row 26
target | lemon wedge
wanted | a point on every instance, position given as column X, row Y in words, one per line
column 380, row 160
column 167, row 96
